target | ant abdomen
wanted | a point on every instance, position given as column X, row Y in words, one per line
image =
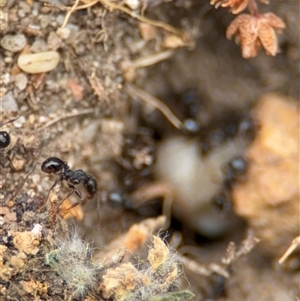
column 90, row 186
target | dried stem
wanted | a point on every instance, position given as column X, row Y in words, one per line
column 295, row 243
column 73, row 8
column 137, row 92
column 70, row 115
column 151, row 59
column 125, row 10
column 252, row 6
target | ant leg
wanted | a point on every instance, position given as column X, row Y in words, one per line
column 167, row 211
column 77, row 192
column 150, row 191
column 48, row 194
column 98, row 207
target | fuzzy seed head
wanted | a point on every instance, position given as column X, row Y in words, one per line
column 72, row 261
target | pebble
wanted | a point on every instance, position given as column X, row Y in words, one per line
column 7, row 60
column 3, row 2
column 45, row 20
column 38, row 62
column 8, row 103
column 63, row 33
column 3, row 91
column 21, row 81
column 4, row 79
column 133, row 4
column 53, row 41
column 13, row 43
column 24, row 7
column 21, row 14
column 38, row 46
column 19, row 122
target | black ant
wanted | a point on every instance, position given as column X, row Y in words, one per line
column 233, row 171
column 245, row 126
column 4, row 137
column 59, row 167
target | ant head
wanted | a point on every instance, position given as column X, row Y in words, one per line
column 238, row 165
column 4, row 139
column 54, row 165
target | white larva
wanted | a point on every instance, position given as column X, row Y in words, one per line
column 196, row 180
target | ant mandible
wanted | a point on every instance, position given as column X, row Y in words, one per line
column 54, row 165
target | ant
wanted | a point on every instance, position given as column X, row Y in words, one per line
column 233, row 171
column 54, row 165
column 5, row 137
column 245, row 126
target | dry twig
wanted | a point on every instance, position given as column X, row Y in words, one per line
column 70, row 115
column 295, row 243
column 158, row 104
column 111, row 6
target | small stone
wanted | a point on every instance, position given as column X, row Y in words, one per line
column 21, row 14
column 8, row 103
column 4, row 79
column 38, row 62
column 21, row 81
column 173, row 41
column 133, row 4
column 18, row 164
column 38, row 46
column 24, row 7
column 45, row 20
column 3, row 2
column 63, row 33
column 147, row 31
column 13, row 43
column 53, row 42
column 7, row 60
column 18, row 123
column 3, row 91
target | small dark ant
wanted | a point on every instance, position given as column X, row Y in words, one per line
column 237, row 126
column 59, row 167
column 233, row 171
column 5, row 138
column 222, row 201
